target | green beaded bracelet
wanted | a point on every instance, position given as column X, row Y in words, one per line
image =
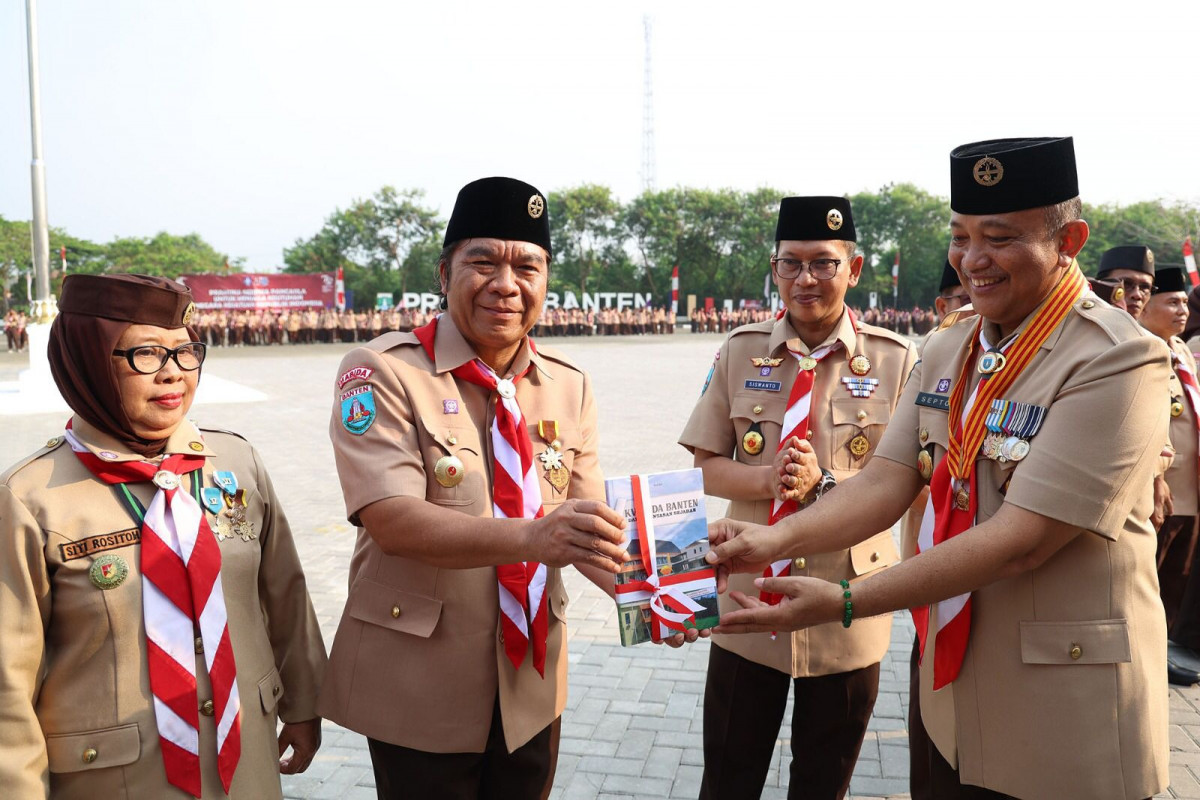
column 849, row 614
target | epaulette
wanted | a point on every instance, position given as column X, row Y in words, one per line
column 222, row 430
column 955, row 317
column 557, row 356
column 1116, row 323
column 766, row 326
column 387, row 341
column 49, row 447
column 884, row 333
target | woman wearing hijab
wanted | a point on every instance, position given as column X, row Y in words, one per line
column 154, row 618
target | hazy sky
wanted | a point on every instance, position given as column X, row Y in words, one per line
column 248, row 121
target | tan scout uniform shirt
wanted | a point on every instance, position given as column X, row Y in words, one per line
column 1182, row 477
column 73, row 672
column 418, row 658
column 726, row 411
column 1062, row 693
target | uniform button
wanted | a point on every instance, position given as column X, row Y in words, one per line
column 800, row 563
column 808, row 435
column 1076, row 651
column 90, row 755
column 874, row 557
column 452, row 439
column 53, row 442
column 861, row 415
column 924, row 435
column 395, row 612
column 758, row 409
column 206, row 708
column 199, row 645
column 1086, row 304
column 275, row 690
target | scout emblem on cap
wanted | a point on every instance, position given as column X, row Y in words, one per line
column 536, row 206
column 108, row 572
column 358, row 409
column 988, row 171
column 449, row 471
column 189, row 313
column 860, row 365
column 834, row 219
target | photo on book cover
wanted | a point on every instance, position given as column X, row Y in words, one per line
column 676, row 502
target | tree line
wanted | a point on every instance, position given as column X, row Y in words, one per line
column 721, row 240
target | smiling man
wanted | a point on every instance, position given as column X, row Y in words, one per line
column 1034, row 591
column 794, row 405
column 468, row 461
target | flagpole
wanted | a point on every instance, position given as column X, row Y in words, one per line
column 44, row 307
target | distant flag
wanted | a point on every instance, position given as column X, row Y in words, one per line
column 63, row 253
column 339, row 297
column 896, row 278
column 767, row 286
column 1189, row 258
column 227, row 266
column 674, row 288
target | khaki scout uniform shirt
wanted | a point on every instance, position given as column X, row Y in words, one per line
column 726, row 411
column 419, row 658
column 73, row 674
column 1182, row 477
column 1062, row 693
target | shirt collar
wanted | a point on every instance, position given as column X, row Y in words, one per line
column 784, row 334
column 451, row 350
column 185, row 439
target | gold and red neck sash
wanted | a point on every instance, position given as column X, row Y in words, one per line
column 967, row 435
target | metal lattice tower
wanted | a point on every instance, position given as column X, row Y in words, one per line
column 648, row 168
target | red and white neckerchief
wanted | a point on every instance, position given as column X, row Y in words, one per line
column 181, row 592
column 516, row 493
column 795, row 423
column 943, row 518
column 1191, row 387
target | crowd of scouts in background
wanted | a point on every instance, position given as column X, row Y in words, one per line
column 14, row 330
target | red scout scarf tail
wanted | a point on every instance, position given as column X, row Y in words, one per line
column 516, row 494
column 953, row 500
column 670, row 608
column 181, row 592
column 1191, row 387
column 795, row 423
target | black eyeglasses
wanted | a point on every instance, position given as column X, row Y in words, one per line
column 150, row 358
column 822, row 269
column 1145, row 287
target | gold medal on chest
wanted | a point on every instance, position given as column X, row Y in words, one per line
column 108, row 572
column 925, row 465
column 449, row 471
column 962, row 497
column 860, row 365
column 557, row 475
column 1176, row 407
column 752, row 442
column 991, row 363
column 859, row 446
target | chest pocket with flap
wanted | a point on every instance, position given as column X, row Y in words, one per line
column 766, row 410
column 461, row 442
column 855, row 417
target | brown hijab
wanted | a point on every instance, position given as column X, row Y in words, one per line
column 94, row 312
column 1193, row 323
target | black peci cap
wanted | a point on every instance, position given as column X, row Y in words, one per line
column 1003, row 175
column 500, row 208
column 1127, row 256
column 950, row 278
column 1170, row 279
column 815, row 219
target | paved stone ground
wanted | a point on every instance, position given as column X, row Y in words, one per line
column 632, row 728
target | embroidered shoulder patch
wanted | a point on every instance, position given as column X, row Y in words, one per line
column 358, row 409
column 354, row 374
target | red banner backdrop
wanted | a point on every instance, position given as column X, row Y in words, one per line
column 247, row 291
